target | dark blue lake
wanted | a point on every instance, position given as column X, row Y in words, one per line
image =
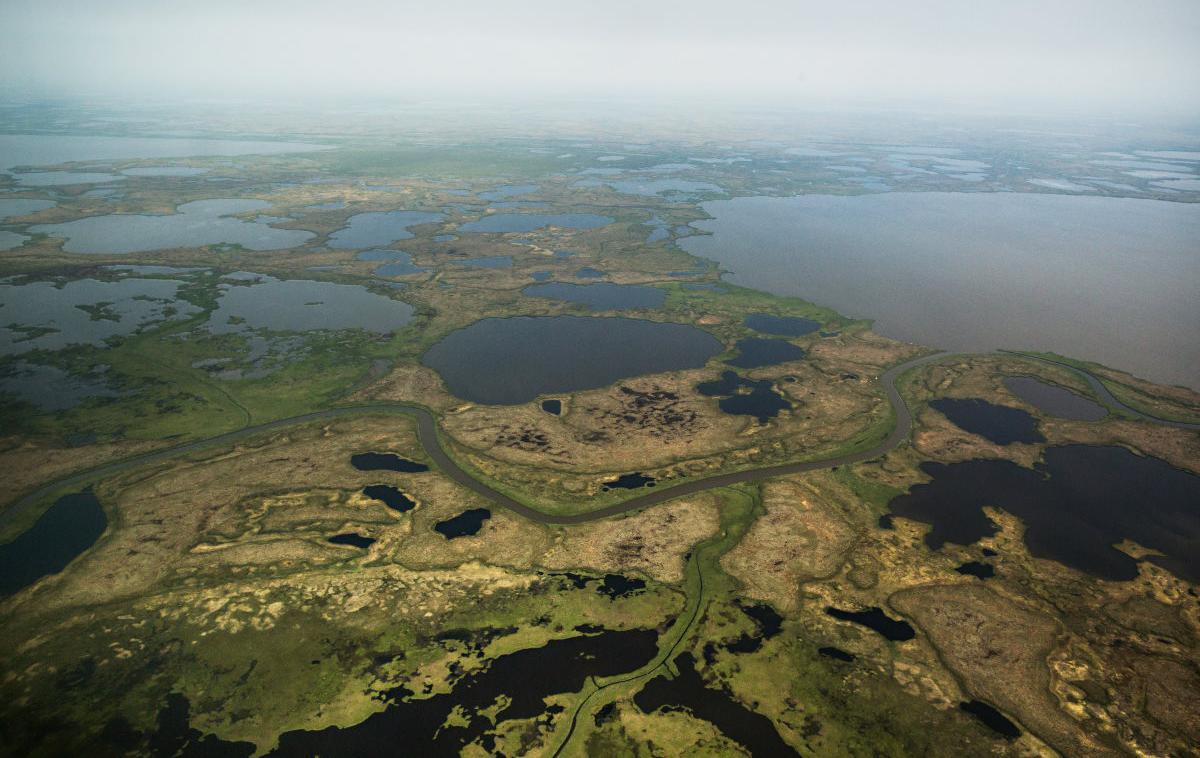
column 505, row 361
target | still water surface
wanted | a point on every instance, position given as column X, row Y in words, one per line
column 1106, row 279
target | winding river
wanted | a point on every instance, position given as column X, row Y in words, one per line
column 427, row 434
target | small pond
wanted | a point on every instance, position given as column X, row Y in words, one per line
column 783, row 326
column 553, row 407
column 977, row 569
column 633, row 481
column 1054, row 400
column 386, row 462
column 10, row 240
column 59, row 536
column 1000, row 424
column 380, row 228
column 507, row 361
column 745, row 397
column 767, row 624
column 896, row 630
column 756, row 352
column 465, row 524
column 398, row 263
column 390, row 496
column 836, row 653
column 602, row 296
column 587, row 272
column 21, row 206
column 352, row 539
column 991, row 718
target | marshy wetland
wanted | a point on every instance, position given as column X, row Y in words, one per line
column 262, row 501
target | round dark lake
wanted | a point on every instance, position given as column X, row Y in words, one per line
column 995, row 423
column 506, row 361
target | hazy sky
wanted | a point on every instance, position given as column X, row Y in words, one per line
column 1071, row 53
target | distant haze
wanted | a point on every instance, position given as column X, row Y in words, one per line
column 1061, row 54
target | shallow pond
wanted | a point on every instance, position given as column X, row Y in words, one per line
column 1107, row 279
column 465, row 524
column 10, row 240
column 352, row 539
column 602, row 296
column 977, row 569
column 398, row 263
column 783, row 326
column 836, row 654
column 300, row 305
column 1054, row 400
column 505, row 361
column 390, row 496
column 379, row 229
column 195, row 224
column 633, row 481
column 587, row 272
column 51, row 316
column 1076, row 505
column 22, row 206
column 896, row 630
column 553, row 407
column 991, row 718
column 528, row 222
column 756, row 352
column 59, row 536
column 51, row 389
column 386, row 462
column 1000, row 424
column 745, row 397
